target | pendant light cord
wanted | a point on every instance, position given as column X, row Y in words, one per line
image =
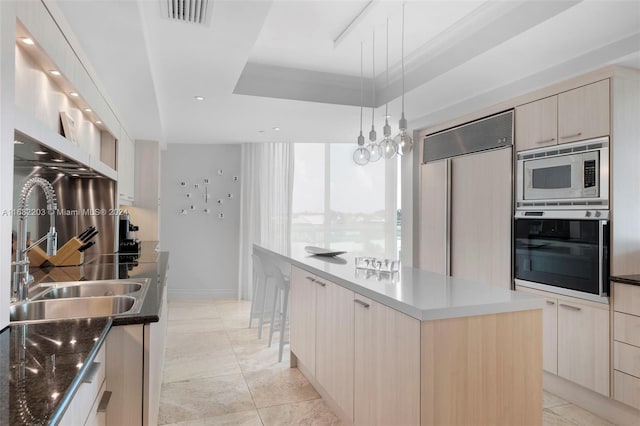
column 402, row 58
column 361, row 88
column 373, row 80
column 386, row 105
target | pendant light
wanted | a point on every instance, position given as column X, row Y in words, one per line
column 361, row 155
column 373, row 147
column 388, row 146
column 403, row 140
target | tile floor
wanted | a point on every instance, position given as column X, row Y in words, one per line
column 217, row 372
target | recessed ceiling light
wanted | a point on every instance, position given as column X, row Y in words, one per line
column 98, row 122
column 277, row 129
column 199, row 98
column 54, row 72
column 27, row 40
column 18, row 143
column 87, row 110
column 40, row 152
column 74, row 94
column 57, row 160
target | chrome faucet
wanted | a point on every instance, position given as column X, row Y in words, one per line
column 21, row 276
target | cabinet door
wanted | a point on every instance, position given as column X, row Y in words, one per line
column 537, row 124
column 583, row 345
column 303, row 318
column 550, row 336
column 434, row 216
column 334, row 343
column 126, row 173
column 481, row 215
column 583, row 113
column 387, row 365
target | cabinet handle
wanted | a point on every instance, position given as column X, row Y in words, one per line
column 571, row 136
column 313, row 280
column 546, row 141
column 360, row 302
column 549, row 302
column 320, row 282
column 104, row 402
column 91, row 372
column 574, row 308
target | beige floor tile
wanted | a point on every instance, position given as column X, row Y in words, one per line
column 195, row 326
column 258, row 357
column 192, row 311
column 200, row 366
column 279, row 385
column 579, row 416
column 203, row 398
column 550, row 400
column 313, row 412
column 550, row 418
column 193, row 344
column 243, row 418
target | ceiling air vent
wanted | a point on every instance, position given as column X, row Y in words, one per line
column 189, row 11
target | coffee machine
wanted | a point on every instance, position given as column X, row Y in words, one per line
column 127, row 244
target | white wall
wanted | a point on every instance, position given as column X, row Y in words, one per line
column 204, row 248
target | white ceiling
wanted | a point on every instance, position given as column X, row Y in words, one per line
column 264, row 64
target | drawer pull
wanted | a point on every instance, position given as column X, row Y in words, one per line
column 104, row 402
column 360, row 302
column 549, row 302
column 90, row 375
column 320, row 282
column 574, row 308
column 545, row 141
column 571, row 136
column 313, row 280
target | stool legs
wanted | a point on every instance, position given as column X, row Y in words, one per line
column 283, row 322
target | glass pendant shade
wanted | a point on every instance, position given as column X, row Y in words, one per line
column 389, row 148
column 404, row 142
column 375, row 152
column 361, row 156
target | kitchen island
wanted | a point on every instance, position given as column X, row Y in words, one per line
column 414, row 347
column 44, row 364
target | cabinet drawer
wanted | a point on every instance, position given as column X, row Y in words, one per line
column 626, row 328
column 626, row 389
column 97, row 418
column 80, row 406
column 626, row 358
column 626, row 298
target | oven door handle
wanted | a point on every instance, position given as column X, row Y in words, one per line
column 601, row 225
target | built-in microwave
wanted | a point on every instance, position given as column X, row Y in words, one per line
column 567, row 176
column 565, row 252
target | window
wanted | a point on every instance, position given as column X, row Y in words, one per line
column 342, row 206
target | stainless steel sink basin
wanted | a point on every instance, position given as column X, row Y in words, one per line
column 91, row 289
column 78, row 307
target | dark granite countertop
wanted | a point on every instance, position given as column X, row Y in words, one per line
column 32, row 391
column 41, row 362
column 627, row 279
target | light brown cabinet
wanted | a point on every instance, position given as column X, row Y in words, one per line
column 387, row 362
column 434, row 214
column 626, row 344
column 575, row 339
column 334, row 343
column 303, row 318
column 574, row 115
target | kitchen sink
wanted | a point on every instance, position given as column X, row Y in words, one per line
column 91, row 289
column 78, row 307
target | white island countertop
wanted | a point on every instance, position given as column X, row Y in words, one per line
column 420, row 294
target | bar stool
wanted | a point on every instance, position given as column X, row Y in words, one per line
column 258, row 285
column 280, row 304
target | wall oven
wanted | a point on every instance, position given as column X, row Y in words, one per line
column 565, row 252
column 564, row 176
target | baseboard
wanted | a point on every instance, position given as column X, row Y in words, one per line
column 197, row 293
column 607, row 408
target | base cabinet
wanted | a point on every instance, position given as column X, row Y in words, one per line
column 626, row 344
column 576, row 340
column 387, row 365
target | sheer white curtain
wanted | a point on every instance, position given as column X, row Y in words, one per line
column 265, row 214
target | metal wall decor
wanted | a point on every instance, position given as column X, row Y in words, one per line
column 200, row 191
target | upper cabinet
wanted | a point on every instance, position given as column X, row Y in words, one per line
column 574, row 115
column 126, row 170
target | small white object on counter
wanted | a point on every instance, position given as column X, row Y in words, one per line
column 420, row 294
